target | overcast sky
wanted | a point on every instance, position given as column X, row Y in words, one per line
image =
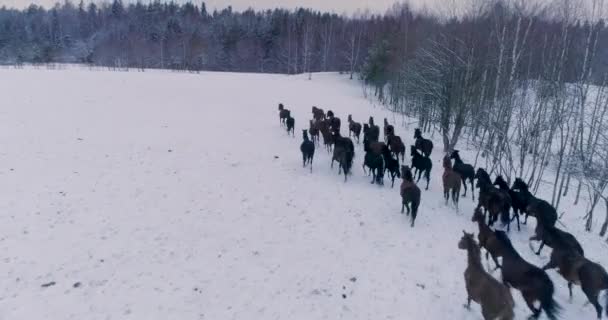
column 338, row 6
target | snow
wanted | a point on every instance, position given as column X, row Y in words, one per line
column 160, row 195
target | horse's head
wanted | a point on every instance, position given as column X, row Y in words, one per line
column 455, row 155
column 371, row 121
column 417, row 133
column 330, row 114
column 501, row 183
column 385, row 122
column 413, row 151
column 519, row 184
column 477, row 215
column 466, row 241
column 447, row 163
column 281, row 106
column 406, row 173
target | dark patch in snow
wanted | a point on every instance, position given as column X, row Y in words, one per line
column 49, row 284
column 276, row 157
column 77, row 285
column 343, row 296
column 353, row 279
column 421, row 286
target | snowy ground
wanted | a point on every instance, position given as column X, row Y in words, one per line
column 157, row 195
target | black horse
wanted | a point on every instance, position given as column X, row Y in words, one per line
column 308, row 150
column 421, row 164
column 391, row 164
column 541, row 209
column 466, row 171
column 422, row 144
column 533, row 283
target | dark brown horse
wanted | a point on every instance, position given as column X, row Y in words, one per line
column 396, row 146
column 576, row 269
column 410, row 194
column 389, row 130
column 487, row 237
column 354, row 128
column 451, row 182
column 318, row 114
column 424, row 145
column 494, row 297
column 533, row 283
column 314, row 131
column 328, row 138
column 284, row 114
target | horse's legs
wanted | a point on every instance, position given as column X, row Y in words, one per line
column 427, row 175
column 526, row 219
column 402, row 207
column 303, row 160
column 530, row 302
column 517, row 217
column 570, row 289
column 542, row 245
column 592, row 295
column 464, row 183
column 311, row 164
column 472, row 189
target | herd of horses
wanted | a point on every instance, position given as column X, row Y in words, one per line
column 496, row 201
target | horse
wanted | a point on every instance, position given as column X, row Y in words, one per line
column 392, row 165
column 410, row 194
column 576, row 269
column 334, row 124
column 389, row 130
column 284, row 114
column 371, row 121
column 554, row 238
column 421, row 164
column 496, row 201
column 451, row 182
column 375, row 163
column 538, row 208
column 424, row 145
column 291, row 124
column 466, row 171
column 341, row 144
column 396, row 146
column 328, row 138
column 486, row 237
column 314, row 131
column 346, row 162
column 533, row 283
column 308, row 150
column 494, row 297
column 318, row 113
column 517, row 202
column 354, row 128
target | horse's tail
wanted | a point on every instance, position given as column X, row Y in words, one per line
column 547, row 303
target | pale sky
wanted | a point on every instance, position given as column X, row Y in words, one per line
column 338, row 6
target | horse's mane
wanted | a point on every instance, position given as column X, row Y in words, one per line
column 522, row 185
column 500, row 181
column 504, row 239
column 474, row 247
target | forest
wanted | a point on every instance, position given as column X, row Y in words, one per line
column 525, row 85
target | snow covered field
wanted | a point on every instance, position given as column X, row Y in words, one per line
column 157, row 195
